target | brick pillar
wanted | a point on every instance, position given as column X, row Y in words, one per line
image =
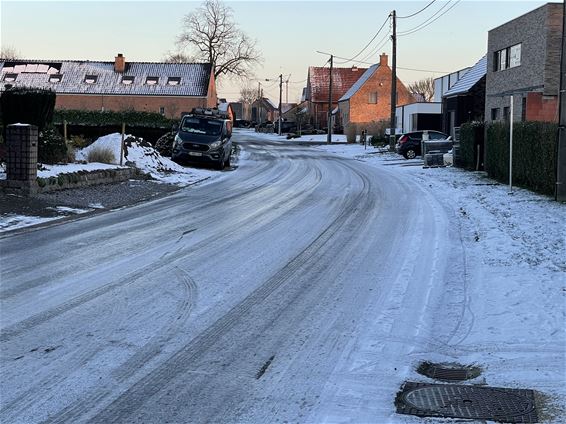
column 22, row 140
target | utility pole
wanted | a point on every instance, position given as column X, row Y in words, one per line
column 280, row 96
column 393, row 81
column 259, row 89
column 287, row 90
column 560, row 191
column 329, row 121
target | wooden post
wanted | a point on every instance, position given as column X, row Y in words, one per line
column 65, row 130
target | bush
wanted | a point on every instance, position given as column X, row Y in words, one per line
column 165, row 144
column 79, row 142
column 51, row 147
column 25, row 105
column 101, row 155
column 351, row 131
column 534, row 154
column 70, row 154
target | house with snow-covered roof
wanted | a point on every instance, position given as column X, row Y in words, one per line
column 167, row 88
column 263, row 110
column 317, row 90
column 465, row 100
column 369, row 98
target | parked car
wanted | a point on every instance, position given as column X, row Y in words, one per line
column 242, row 123
column 409, row 144
column 204, row 136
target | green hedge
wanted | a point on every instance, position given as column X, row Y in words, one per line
column 534, row 154
column 471, row 134
column 97, row 118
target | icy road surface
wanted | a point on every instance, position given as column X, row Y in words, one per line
column 300, row 287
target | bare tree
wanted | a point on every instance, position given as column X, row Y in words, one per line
column 248, row 94
column 211, row 33
column 9, row 53
column 177, row 57
column 423, row 88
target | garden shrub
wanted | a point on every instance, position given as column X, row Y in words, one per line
column 165, row 144
column 351, row 131
column 51, row 147
column 101, row 155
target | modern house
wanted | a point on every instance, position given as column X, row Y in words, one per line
column 167, row 88
column 369, row 98
column 523, row 60
column 465, row 101
column 418, row 116
column 446, row 82
column 317, row 90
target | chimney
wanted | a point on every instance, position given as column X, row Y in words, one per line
column 120, row 63
column 383, row 60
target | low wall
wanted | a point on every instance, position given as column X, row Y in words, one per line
column 70, row 180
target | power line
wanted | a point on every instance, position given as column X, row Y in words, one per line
column 368, row 44
column 381, row 44
column 416, row 13
column 430, row 20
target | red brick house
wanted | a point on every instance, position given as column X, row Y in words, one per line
column 166, row 88
column 369, row 99
column 318, row 82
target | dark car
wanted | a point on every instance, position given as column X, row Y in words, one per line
column 203, row 137
column 242, row 123
column 409, row 144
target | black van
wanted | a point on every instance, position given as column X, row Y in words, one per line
column 204, row 136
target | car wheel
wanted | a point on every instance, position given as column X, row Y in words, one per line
column 220, row 164
column 410, row 154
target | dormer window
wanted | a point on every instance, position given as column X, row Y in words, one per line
column 152, row 80
column 127, row 80
column 91, row 79
column 10, row 77
column 173, row 80
column 55, row 78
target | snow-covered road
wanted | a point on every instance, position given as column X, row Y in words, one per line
column 302, row 287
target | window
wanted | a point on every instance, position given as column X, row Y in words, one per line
column 507, row 58
column 506, row 113
column 127, row 80
column 372, row 97
column 173, row 80
column 495, row 114
column 152, row 80
column 55, row 78
column 91, row 79
column 162, row 110
column 10, row 77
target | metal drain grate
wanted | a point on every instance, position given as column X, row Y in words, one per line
column 448, row 372
column 471, row 402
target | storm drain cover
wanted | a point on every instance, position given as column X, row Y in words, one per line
column 448, row 372
column 471, row 402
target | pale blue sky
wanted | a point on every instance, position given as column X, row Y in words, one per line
column 288, row 32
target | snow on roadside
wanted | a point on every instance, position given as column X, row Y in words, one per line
column 314, row 138
column 515, row 277
column 146, row 158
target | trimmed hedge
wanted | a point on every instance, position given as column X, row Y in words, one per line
column 25, row 105
column 534, row 154
column 99, row 118
column 471, row 135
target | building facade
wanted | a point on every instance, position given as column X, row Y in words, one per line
column 369, row 99
column 523, row 60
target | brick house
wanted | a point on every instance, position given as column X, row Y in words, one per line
column 369, row 99
column 316, row 92
column 523, row 60
column 167, row 88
